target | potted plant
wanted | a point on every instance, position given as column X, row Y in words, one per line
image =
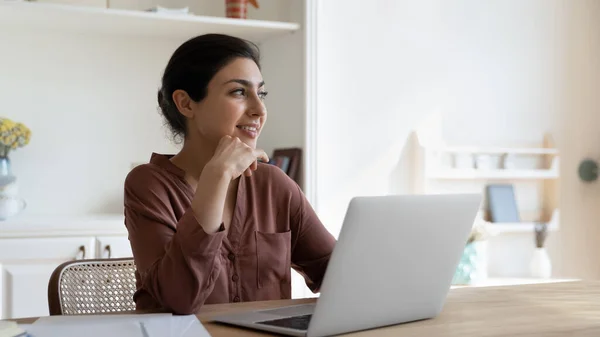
column 473, row 263
column 540, row 265
column 12, row 136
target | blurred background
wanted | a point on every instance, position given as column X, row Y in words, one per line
column 366, row 98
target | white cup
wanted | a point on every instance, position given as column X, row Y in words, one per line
column 10, row 206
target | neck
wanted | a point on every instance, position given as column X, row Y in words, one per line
column 193, row 157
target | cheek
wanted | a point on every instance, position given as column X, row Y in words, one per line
column 220, row 118
column 231, row 112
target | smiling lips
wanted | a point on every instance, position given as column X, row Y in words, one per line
column 249, row 130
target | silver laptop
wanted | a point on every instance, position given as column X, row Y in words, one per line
column 393, row 263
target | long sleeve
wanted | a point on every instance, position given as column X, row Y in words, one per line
column 313, row 243
column 176, row 260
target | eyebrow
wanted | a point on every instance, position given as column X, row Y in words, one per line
column 244, row 82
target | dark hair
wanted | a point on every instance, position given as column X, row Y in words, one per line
column 192, row 66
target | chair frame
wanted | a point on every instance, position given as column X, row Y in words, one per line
column 55, row 298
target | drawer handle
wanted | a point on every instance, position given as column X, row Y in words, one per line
column 81, row 253
column 108, row 251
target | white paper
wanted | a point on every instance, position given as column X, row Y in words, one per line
column 187, row 326
column 113, row 329
column 60, row 319
column 25, row 326
column 157, row 325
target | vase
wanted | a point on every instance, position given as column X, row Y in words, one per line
column 540, row 265
column 10, row 203
column 473, row 264
column 7, row 179
column 237, row 9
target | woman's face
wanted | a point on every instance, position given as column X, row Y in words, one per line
column 234, row 105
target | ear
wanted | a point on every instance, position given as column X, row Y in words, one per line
column 184, row 103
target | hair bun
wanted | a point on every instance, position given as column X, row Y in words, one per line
column 160, row 97
column 162, row 102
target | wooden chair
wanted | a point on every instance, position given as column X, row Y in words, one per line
column 92, row 287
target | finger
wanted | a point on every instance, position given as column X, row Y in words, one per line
column 254, row 165
column 260, row 154
column 248, row 172
column 224, row 141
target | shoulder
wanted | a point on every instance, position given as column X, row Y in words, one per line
column 273, row 177
column 144, row 176
column 148, row 184
column 282, row 190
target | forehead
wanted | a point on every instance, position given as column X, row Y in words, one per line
column 239, row 68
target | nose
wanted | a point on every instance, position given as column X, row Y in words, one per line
column 257, row 108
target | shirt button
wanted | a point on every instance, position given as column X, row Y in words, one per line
column 231, row 256
column 236, row 299
column 235, row 278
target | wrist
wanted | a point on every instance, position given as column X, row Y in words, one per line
column 216, row 172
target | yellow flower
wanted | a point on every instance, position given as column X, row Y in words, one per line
column 13, row 135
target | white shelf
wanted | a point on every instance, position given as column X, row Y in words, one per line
column 78, row 19
column 520, row 227
column 496, row 228
column 506, row 282
column 499, row 174
column 495, row 150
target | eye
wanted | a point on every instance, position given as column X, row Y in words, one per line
column 263, row 94
column 238, row 92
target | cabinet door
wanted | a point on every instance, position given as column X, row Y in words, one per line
column 25, row 269
column 113, row 247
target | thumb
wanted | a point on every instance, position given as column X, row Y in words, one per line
column 260, row 154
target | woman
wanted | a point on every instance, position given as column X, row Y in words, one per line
column 212, row 224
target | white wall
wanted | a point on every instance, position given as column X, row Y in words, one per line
column 379, row 72
column 90, row 102
column 492, row 68
column 504, row 70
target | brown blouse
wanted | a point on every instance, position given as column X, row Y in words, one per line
column 180, row 267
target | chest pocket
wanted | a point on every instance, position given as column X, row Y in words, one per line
column 273, row 251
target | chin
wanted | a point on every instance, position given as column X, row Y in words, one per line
column 251, row 143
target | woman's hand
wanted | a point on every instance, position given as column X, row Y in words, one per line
column 234, row 158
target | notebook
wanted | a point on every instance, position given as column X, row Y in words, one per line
column 10, row 329
column 502, row 203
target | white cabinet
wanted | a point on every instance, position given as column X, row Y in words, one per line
column 31, row 248
column 24, row 288
column 25, row 268
column 112, row 247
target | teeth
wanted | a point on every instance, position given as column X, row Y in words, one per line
column 249, row 128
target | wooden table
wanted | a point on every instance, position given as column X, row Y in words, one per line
column 553, row 309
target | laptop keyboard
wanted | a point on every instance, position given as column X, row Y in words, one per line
column 295, row 322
